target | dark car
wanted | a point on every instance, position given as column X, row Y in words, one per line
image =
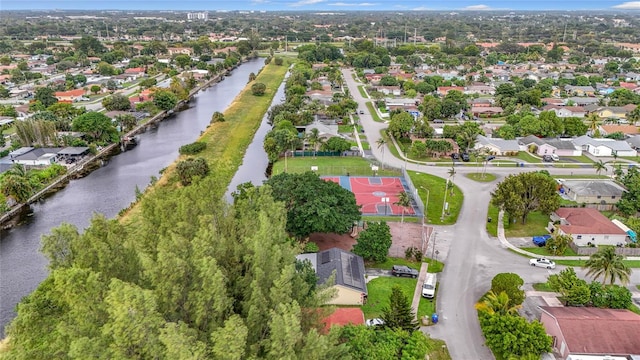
column 455, row 156
column 465, row 157
column 490, row 157
column 547, row 158
column 400, row 270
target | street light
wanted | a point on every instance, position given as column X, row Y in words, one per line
column 444, row 203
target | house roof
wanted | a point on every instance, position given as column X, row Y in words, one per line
column 503, row 145
column 349, row 268
column 586, row 221
column 560, row 144
column 73, row 150
column 634, row 141
column 76, row 92
column 35, row 153
column 625, row 129
column 616, row 145
column 345, row 316
column 531, row 139
column 589, row 330
column 594, row 187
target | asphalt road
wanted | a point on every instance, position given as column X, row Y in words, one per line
column 472, row 257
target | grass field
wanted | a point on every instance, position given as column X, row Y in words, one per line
column 492, row 227
column 542, row 287
column 379, row 290
column 435, row 201
column 331, row 165
column 345, row 129
column 480, row 177
column 526, row 157
column 535, row 225
column 580, row 159
column 362, row 92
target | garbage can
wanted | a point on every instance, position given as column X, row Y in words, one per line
column 489, row 219
column 434, row 318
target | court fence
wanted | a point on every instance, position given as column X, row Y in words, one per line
column 413, row 191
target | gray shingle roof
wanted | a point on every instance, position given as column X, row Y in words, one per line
column 503, row 145
column 560, row 144
column 594, row 187
column 349, row 268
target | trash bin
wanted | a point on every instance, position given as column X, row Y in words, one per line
column 489, row 219
column 434, row 318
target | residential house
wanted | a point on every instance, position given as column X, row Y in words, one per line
column 180, row 50
column 604, row 147
column 486, row 110
column 373, row 79
column 390, row 90
column 592, row 191
column 587, row 226
column 496, row 146
column 592, row 333
column 444, row 90
column 30, row 156
column 324, row 96
column 138, row 71
column 566, row 111
column 479, row 89
column 480, row 102
column 558, row 147
column 628, row 130
column 582, row 101
column 70, row 95
column 628, row 85
column 349, row 274
column 634, row 142
column 615, row 112
column 553, row 101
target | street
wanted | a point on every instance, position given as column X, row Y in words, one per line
column 472, row 257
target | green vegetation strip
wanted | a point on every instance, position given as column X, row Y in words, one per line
column 543, row 251
column 434, row 265
column 362, row 92
column 330, row 165
column 373, row 112
column 542, row 287
column 492, row 226
column 436, row 200
column 481, row 177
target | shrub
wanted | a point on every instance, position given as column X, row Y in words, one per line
column 278, row 61
column 217, row 117
column 509, row 283
column 310, row 247
column 189, row 169
column 258, row 89
column 193, row 148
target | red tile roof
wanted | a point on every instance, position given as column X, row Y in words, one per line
column 588, row 330
column 625, row 129
column 345, row 316
column 587, row 221
column 76, row 93
column 134, row 70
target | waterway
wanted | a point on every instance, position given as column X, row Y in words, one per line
column 113, row 187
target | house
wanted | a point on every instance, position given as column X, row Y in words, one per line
column 553, row 101
column 592, row 191
column 614, row 112
column 497, row 146
column 486, row 110
column 137, row 71
column 180, row 50
column 592, row 333
column 566, row 111
column 479, row 89
column 628, row 130
column 582, row 101
column 587, row 226
column 30, row 156
column 70, row 95
column 480, row 102
column 558, row 147
column 444, row 90
column 604, row 147
column 349, row 274
column 634, row 142
column 580, row 90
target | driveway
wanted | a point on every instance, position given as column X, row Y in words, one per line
column 472, row 257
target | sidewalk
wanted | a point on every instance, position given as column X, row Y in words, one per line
column 417, row 294
column 508, row 245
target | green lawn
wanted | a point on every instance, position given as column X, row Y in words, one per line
column 542, row 287
column 580, row 159
column 330, row 165
column 436, row 187
column 365, row 145
column 373, row 112
column 535, row 225
column 480, row 177
column 492, row 227
column 344, row 129
column 543, row 251
column 527, row 157
column 438, row 350
column 379, row 290
column 426, row 307
column 567, row 203
column 362, row 92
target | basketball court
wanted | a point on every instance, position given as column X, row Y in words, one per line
column 377, row 195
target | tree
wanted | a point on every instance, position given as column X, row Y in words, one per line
column 182, row 60
column 111, row 85
column 404, row 201
column 381, row 142
column 95, row 89
column 165, row 100
column 377, row 343
column 510, row 283
column 610, row 296
column 97, row 127
column 400, row 124
column 399, row 314
column 606, row 263
column 4, row 93
column 497, row 304
column 600, row 166
column 374, row 242
column 116, row 102
column 148, row 82
column 189, row 169
column 258, row 89
column 314, row 139
column 18, row 183
column 557, row 244
column 520, row 194
column 217, row 117
column 127, row 122
column 574, row 291
column 510, row 335
column 314, row 205
column 45, row 96
column 336, row 143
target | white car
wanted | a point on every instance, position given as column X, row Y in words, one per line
column 374, row 322
column 542, row 262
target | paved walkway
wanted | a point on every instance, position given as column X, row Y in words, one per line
column 417, row 294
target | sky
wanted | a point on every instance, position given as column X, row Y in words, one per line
column 321, row 5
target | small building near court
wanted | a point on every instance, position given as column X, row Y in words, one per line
column 349, row 274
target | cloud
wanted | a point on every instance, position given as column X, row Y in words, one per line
column 306, row 2
column 629, row 5
column 351, row 4
column 477, row 7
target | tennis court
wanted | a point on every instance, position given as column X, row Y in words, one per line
column 376, row 195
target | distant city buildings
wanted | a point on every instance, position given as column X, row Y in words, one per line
column 198, row 16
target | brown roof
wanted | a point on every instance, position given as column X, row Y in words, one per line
column 625, row 129
column 588, row 330
column 587, row 221
column 76, row 92
column 345, row 316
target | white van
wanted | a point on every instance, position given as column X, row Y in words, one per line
column 429, row 286
column 555, row 157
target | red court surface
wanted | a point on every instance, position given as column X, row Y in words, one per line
column 373, row 193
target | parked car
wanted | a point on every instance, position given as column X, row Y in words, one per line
column 455, row 156
column 465, row 157
column 541, row 240
column 361, row 112
column 374, row 322
column 400, row 270
column 429, row 286
column 555, row 157
column 542, row 262
column 490, row 157
column 547, row 158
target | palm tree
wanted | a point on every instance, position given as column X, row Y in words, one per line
column 381, row 142
column 634, row 116
column 497, row 304
column 594, row 121
column 452, row 174
column 404, row 200
column 609, row 265
column 313, row 137
column 600, row 166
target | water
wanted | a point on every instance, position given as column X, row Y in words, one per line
column 111, row 188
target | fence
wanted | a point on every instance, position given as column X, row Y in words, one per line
column 588, row 251
column 413, row 191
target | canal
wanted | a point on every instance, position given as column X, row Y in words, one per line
column 113, row 187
